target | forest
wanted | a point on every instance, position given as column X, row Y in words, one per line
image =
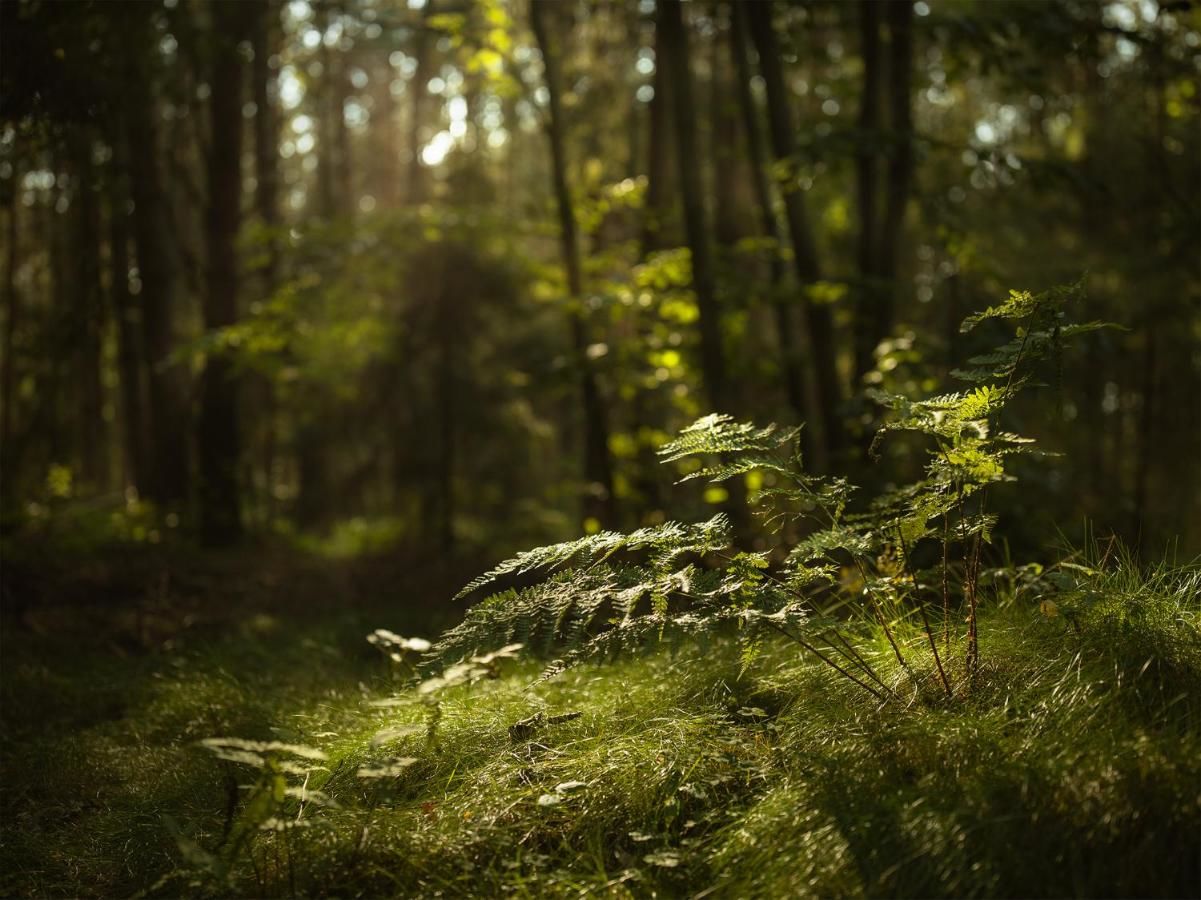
column 816, row 385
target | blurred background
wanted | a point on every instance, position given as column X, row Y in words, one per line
column 360, row 275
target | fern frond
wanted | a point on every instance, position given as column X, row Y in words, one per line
column 665, row 542
column 719, row 433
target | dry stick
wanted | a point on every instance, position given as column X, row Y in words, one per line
column 829, row 662
column 925, row 620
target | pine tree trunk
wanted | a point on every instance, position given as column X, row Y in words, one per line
column 130, row 347
column 266, row 135
column 167, row 478
column 675, row 46
column 900, row 163
column 868, row 295
column 658, row 230
column 796, row 359
column 599, row 501
column 89, row 305
column 218, row 435
column 416, row 191
column 804, row 249
column 8, row 365
column 264, row 40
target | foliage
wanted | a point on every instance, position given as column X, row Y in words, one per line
column 611, row 591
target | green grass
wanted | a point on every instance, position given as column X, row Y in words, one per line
column 1073, row 768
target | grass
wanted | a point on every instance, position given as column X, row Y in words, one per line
column 1072, row 769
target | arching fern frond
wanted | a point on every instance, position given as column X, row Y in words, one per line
column 665, row 543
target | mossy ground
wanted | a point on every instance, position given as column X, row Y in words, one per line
column 1072, row 768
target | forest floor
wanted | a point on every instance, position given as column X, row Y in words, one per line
column 1072, row 768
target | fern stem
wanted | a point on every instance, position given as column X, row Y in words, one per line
column 946, row 591
column 829, row 662
column 859, row 660
column 946, row 684
column 880, row 616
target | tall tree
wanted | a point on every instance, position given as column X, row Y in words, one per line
column 89, row 319
column 674, row 44
column 218, row 437
column 158, row 268
column 658, row 229
column 12, row 316
column 804, row 248
column 130, row 347
column 422, row 54
column 264, row 40
column 866, row 187
column 900, row 160
column 266, row 134
column 797, row 364
column 600, row 502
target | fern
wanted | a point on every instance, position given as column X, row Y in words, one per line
column 613, row 593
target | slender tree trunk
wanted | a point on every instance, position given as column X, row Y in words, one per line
column 868, row 294
column 12, row 320
column 800, row 375
column 422, row 52
column 218, row 438
column 675, row 45
column 327, row 202
column 804, row 250
column 266, row 135
column 900, row 162
column 157, row 267
column 383, row 138
column 447, row 366
column 658, row 229
column 343, row 168
column 130, row 348
column 600, row 502
column 89, row 298
column 264, row 40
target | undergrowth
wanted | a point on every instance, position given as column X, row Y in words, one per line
column 858, row 708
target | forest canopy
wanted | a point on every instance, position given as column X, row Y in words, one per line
column 454, row 270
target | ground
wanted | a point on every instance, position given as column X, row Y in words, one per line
column 1072, row 767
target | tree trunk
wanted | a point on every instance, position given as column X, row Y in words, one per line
column 868, row 295
column 327, row 201
column 800, row 378
column 675, row 45
column 218, row 436
column 130, row 347
column 12, row 319
column 266, row 137
column 900, row 162
column 167, row 478
column 658, row 230
column 728, row 228
column 89, row 315
column 599, row 501
column 264, row 40
column 804, row 250
column 422, row 51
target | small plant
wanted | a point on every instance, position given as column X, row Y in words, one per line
column 605, row 593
